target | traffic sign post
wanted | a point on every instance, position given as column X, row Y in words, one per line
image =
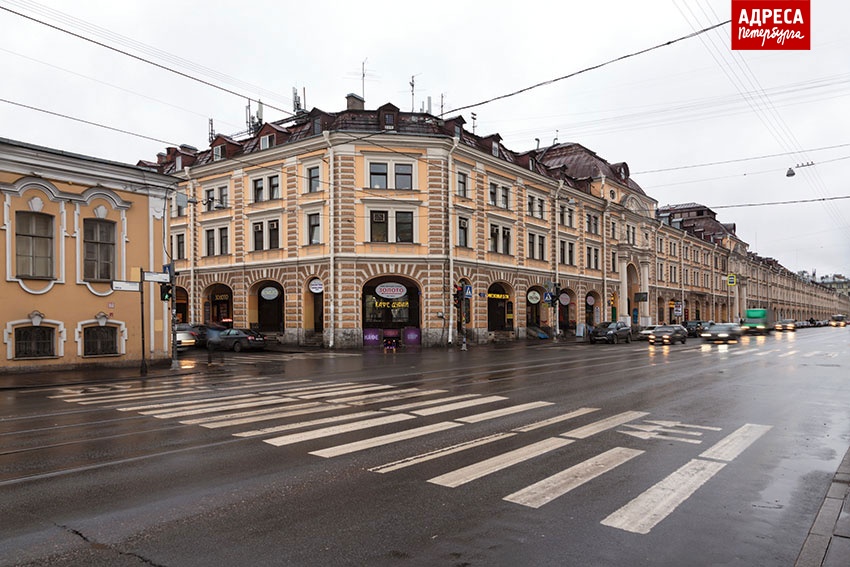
column 732, row 279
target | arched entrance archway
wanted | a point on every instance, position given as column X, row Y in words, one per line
column 536, row 314
column 592, row 309
column 269, row 298
column 314, row 306
column 181, row 305
column 500, row 308
column 632, row 291
column 391, row 311
column 218, row 305
column 567, row 310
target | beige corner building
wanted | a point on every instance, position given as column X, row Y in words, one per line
column 74, row 230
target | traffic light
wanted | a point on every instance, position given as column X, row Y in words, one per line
column 165, row 292
column 556, row 294
column 458, row 296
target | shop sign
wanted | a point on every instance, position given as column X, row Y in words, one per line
column 564, row 299
column 269, row 293
column 498, row 296
column 590, row 300
column 391, row 290
column 221, row 297
column 533, row 297
column 402, row 304
column 316, row 285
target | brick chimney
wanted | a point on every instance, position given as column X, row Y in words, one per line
column 355, row 102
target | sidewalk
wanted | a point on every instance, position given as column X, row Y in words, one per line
column 828, row 542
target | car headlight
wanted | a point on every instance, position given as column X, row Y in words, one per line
column 705, row 335
column 723, row 335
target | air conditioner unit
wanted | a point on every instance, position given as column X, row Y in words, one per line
column 379, row 217
column 273, row 225
column 463, row 223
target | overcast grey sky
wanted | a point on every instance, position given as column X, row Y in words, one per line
column 686, row 104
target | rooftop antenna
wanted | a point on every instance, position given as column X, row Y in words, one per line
column 412, row 89
column 296, row 100
column 474, row 116
column 555, row 141
column 212, row 131
column 363, row 79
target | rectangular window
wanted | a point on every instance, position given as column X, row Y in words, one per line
column 34, row 342
column 540, row 208
column 274, row 235
column 179, row 250
column 223, row 245
column 673, row 249
column 378, row 175
column 34, row 245
column 379, row 227
column 313, row 179
column 506, row 200
column 403, row 176
column 614, row 262
column 506, row 240
column 314, row 228
column 259, row 237
column 592, row 258
column 562, row 252
column 98, row 341
column 463, row 232
column 258, row 190
column 530, row 206
column 571, row 253
column 541, row 247
column 685, row 277
column 209, row 199
column 660, row 247
column 494, row 238
column 209, row 237
column 99, row 249
column 404, row 226
column 462, row 189
column 531, row 242
column 274, row 187
column 222, row 198
column 266, row 142
column 494, row 189
column 660, row 272
column 673, row 274
column 219, row 153
column 613, row 229
column 592, row 223
column 571, row 218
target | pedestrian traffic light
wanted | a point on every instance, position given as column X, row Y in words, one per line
column 555, row 295
column 458, row 296
column 165, row 291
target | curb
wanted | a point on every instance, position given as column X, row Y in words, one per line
column 828, row 542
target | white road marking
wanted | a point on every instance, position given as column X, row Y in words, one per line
column 314, row 388
column 502, row 412
column 789, row 353
column 499, row 462
column 380, row 397
column 338, row 429
column 405, row 407
column 680, row 424
column 604, row 424
column 185, row 402
column 88, row 400
column 556, row 419
column 265, row 414
column 385, row 439
column 416, row 459
column 459, row 405
column 734, row 444
column 660, row 429
column 765, row 353
column 657, row 435
column 345, row 391
column 303, row 424
column 649, row 508
column 394, row 397
column 185, row 412
column 548, row 489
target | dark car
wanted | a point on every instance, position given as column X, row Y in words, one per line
column 612, row 332
column 694, row 328
column 668, row 334
column 237, row 340
column 723, row 333
column 785, row 325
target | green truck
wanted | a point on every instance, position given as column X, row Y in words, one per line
column 757, row 321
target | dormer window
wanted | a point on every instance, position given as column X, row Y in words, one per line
column 457, row 131
column 219, row 153
column 495, row 149
column 317, row 126
column 389, row 121
column 266, row 142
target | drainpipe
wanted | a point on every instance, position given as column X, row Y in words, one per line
column 555, row 243
column 604, row 249
column 331, row 239
column 192, row 259
column 450, row 202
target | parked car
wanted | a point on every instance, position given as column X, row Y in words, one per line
column 186, row 339
column 694, row 328
column 723, row 333
column 238, row 340
column 785, row 325
column 645, row 332
column 668, row 334
column 612, row 332
column 201, row 331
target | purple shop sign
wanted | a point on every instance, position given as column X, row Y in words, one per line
column 412, row 336
column 371, row 337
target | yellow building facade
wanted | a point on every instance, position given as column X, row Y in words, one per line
column 72, row 226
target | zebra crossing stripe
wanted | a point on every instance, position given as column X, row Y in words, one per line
column 337, row 429
column 604, row 424
column 100, row 399
column 483, row 468
column 736, row 442
column 385, row 439
column 184, row 403
column 185, row 412
column 267, row 414
column 314, row 388
column 458, row 405
column 652, row 506
column 344, row 391
column 405, row 407
column 502, row 412
column 554, row 420
column 381, row 397
column 548, row 489
column 303, row 424
column 416, row 459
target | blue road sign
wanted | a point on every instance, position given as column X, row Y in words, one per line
column 467, row 291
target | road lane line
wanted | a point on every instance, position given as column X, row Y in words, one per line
column 303, row 424
column 653, row 505
column 789, row 353
column 459, row 405
column 483, row 468
column 554, row 420
column 338, row 429
column 385, row 439
column 765, row 353
column 736, row 442
column 502, row 412
column 548, row 489
column 436, row 454
column 604, row 424
column 426, row 403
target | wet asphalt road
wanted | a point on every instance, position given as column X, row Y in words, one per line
column 537, row 454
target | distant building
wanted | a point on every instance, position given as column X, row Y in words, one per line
column 72, row 225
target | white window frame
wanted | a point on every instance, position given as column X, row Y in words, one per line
column 536, row 246
column 216, row 228
column 501, row 229
column 305, row 174
column 266, row 141
column 391, row 163
column 462, row 174
column 219, row 152
column 391, row 209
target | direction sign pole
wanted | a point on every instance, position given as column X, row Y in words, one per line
column 144, row 368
